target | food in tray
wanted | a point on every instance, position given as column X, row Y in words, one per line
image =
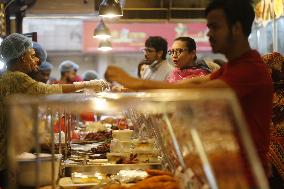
column 95, row 127
column 80, row 178
column 128, row 176
column 155, row 172
column 156, row 181
column 123, row 135
column 98, row 136
column 143, row 145
column 101, row 149
column 132, row 158
column 97, row 156
column 120, row 146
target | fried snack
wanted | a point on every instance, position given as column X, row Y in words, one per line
column 115, row 186
column 160, row 178
column 155, row 185
column 155, row 172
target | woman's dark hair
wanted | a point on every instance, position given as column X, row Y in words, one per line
column 236, row 11
column 139, row 68
column 190, row 43
column 158, row 43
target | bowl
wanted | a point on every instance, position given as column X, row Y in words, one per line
column 26, row 170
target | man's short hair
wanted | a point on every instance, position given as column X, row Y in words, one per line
column 158, row 43
column 236, row 11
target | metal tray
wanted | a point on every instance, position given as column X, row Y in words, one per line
column 110, row 168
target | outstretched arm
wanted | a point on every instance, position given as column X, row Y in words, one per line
column 116, row 74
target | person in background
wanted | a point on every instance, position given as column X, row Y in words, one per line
column 90, row 75
column 275, row 64
column 141, row 68
column 155, row 53
column 44, row 71
column 41, row 54
column 76, row 68
column 184, row 57
column 229, row 23
column 67, row 71
column 17, row 52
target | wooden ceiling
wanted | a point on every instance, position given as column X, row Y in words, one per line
column 133, row 9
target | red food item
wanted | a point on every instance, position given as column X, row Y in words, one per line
column 87, row 116
column 56, row 125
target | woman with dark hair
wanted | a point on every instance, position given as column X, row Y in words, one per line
column 184, row 57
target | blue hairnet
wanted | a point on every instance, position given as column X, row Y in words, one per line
column 76, row 66
column 45, row 66
column 40, row 52
column 90, row 75
column 66, row 66
column 14, row 46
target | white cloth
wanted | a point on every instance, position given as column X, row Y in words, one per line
column 158, row 71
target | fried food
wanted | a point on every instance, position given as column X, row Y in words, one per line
column 155, row 185
column 155, row 172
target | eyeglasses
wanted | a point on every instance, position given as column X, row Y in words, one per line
column 176, row 52
column 148, row 50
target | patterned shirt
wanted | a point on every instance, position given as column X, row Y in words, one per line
column 17, row 83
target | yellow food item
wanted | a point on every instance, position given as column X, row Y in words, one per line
column 278, row 8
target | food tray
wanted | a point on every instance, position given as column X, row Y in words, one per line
column 108, row 168
column 66, row 182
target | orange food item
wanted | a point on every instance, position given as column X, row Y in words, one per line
column 155, row 172
column 87, row 116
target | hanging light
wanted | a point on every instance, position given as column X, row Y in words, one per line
column 110, row 8
column 105, row 45
column 102, row 31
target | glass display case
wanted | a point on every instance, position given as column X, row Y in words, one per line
column 198, row 135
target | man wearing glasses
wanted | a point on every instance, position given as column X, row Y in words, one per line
column 155, row 53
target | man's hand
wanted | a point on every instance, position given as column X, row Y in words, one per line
column 116, row 74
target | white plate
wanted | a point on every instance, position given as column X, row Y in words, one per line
column 66, row 182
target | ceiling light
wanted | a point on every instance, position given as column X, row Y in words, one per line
column 110, row 8
column 102, row 31
column 105, row 45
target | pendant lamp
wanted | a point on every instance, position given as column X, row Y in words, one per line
column 102, row 31
column 110, row 8
column 105, row 45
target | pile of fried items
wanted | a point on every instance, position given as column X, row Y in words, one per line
column 156, row 180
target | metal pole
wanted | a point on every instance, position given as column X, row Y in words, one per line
column 53, row 161
column 36, row 134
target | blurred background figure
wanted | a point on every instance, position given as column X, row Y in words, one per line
column 141, row 68
column 44, row 72
column 90, row 75
column 67, row 71
column 275, row 65
column 40, row 52
column 76, row 68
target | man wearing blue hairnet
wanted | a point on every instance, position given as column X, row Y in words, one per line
column 67, row 71
column 44, row 72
